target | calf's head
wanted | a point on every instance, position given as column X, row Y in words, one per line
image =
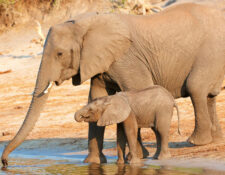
column 105, row 111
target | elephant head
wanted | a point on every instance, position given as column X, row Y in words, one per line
column 77, row 49
column 93, row 111
column 105, row 111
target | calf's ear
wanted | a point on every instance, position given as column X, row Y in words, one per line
column 117, row 111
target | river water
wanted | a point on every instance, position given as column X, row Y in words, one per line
column 62, row 156
column 54, row 165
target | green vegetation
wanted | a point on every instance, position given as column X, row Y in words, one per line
column 7, row 2
column 123, row 1
column 56, row 3
column 189, row 170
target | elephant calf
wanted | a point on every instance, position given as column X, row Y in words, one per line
column 151, row 107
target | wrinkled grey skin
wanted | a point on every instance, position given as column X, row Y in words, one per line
column 181, row 48
column 151, row 107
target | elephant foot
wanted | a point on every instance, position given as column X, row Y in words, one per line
column 198, row 138
column 128, row 157
column 156, row 155
column 165, row 155
column 120, row 161
column 217, row 139
column 141, row 153
column 135, row 161
column 5, row 164
column 95, row 158
column 144, row 154
column 217, row 135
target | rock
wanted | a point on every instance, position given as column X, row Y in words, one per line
column 6, row 133
column 6, row 71
column 18, row 107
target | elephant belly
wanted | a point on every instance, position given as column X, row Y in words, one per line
column 145, row 125
column 145, row 121
column 179, row 92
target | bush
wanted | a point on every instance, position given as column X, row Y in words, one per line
column 7, row 2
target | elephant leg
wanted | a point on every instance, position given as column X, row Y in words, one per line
column 142, row 152
column 202, row 132
column 95, row 133
column 164, row 139
column 201, row 85
column 131, row 130
column 121, row 143
column 162, row 128
column 95, row 144
column 164, row 151
column 137, row 83
column 158, row 143
column 216, row 129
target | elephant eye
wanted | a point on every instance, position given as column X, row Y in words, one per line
column 59, row 54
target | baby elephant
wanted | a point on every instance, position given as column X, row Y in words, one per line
column 151, row 107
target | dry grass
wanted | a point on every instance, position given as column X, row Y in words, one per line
column 14, row 12
column 7, row 2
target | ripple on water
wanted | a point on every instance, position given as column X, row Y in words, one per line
column 48, row 166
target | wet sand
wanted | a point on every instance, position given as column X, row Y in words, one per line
column 65, row 156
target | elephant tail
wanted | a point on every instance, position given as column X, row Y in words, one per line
column 178, row 116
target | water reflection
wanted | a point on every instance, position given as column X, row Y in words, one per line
column 139, row 170
column 35, row 166
column 95, row 169
column 113, row 169
column 129, row 170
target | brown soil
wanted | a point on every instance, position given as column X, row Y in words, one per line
column 22, row 57
column 46, row 11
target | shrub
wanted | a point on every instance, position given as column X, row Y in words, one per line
column 7, row 2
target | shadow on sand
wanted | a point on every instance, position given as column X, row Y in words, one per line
column 171, row 144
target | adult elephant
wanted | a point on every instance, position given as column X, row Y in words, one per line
column 181, row 49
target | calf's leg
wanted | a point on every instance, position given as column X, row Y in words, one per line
column 131, row 130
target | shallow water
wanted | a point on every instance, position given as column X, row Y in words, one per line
column 58, row 156
column 75, row 166
column 35, row 166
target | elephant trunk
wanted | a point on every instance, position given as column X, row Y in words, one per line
column 39, row 98
column 78, row 117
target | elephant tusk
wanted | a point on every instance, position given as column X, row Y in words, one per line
column 43, row 92
column 49, row 86
column 81, row 117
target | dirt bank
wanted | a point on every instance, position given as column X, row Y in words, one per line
column 17, row 13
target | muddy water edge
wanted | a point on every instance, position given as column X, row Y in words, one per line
column 48, row 166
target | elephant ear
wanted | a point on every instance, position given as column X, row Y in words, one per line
column 117, row 111
column 107, row 39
